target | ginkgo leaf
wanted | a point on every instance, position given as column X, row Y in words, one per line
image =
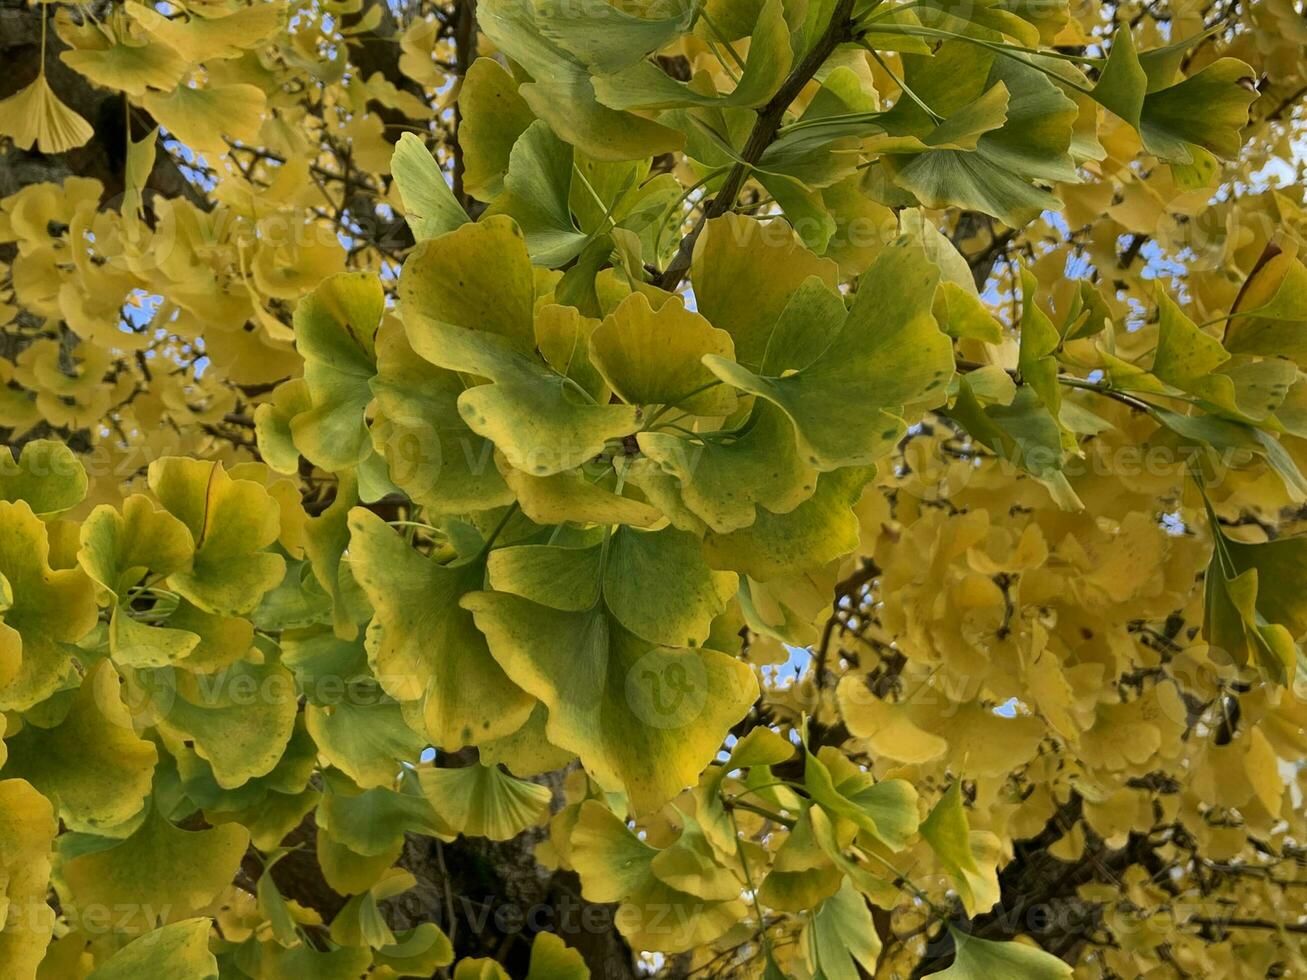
column 616, row 40
column 1268, row 315
column 949, row 834
column 527, row 751
column 365, row 740
column 179, row 949
column 820, row 529
column 552, row 959
column 482, row 801
column 430, row 452
column 494, row 116
column 561, row 91
column 889, row 358
column 118, row 549
column 725, row 481
column 423, row 645
column 577, row 496
column 207, row 37
column 658, row 585
column 47, row 475
column 980, row 959
column 537, row 186
column 272, row 425
column 241, row 737
column 27, row 834
column 840, row 935
column 801, row 875
column 202, row 117
column 335, row 326
column 616, row 866
column 887, row 810
column 92, row 765
column 44, row 608
column 160, row 872
column 232, row 522
column 35, row 116
column 374, row 821
column 430, row 207
column 745, row 274
column 479, row 968
column 117, row 58
column 888, row 728
column 540, row 420
column 417, row 952
column 1168, row 117
column 641, row 717
column 478, row 277
column 653, row 357
column 644, row 85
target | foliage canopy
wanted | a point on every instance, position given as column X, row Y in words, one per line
column 814, row 485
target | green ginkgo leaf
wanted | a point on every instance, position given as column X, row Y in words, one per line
column 641, row 717
column 999, row 175
column 468, row 306
column 725, row 481
column 841, row 936
column 612, row 40
column 561, row 91
column 238, row 719
column 889, row 358
column 656, row 584
column 887, row 810
column 477, row 277
column 541, row 421
column 802, row 875
column 482, row 801
column 948, row 832
column 48, row 475
column 374, row 821
column 160, row 872
column 272, row 425
column 577, row 496
column 417, row 952
column 366, row 738
column 820, row 529
column 44, row 609
column 335, row 327
column 644, row 85
column 430, row 207
column 177, row 951
column 423, row 645
column 91, row 765
column 1178, row 122
column 430, row 452
column 536, row 191
column 981, row 959
column 118, row 549
column 527, row 751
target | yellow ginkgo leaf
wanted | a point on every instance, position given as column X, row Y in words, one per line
column 35, row 115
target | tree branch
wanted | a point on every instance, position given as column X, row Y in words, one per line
column 764, row 131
